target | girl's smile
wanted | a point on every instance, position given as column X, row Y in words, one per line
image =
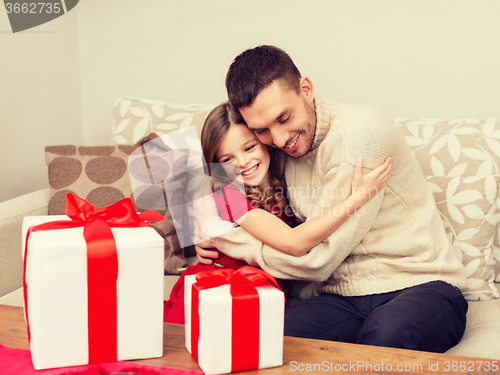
column 249, row 172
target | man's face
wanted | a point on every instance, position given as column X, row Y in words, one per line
column 283, row 118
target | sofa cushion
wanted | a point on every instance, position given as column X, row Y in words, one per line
column 12, row 213
column 100, row 174
column 14, row 298
column 97, row 174
column 481, row 334
column 454, row 148
column 134, row 118
column 463, row 148
column 468, row 208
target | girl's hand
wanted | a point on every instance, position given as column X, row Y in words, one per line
column 366, row 186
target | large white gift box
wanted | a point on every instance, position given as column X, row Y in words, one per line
column 227, row 335
column 56, row 293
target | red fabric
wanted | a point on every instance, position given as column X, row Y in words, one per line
column 18, row 362
column 102, row 272
column 245, row 325
column 232, row 204
column 229, row 262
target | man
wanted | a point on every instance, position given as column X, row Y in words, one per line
column 388, row 276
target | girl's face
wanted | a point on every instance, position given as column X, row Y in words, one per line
column 241, row 148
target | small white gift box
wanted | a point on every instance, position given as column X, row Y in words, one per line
column 225, row 335
column 63, row 315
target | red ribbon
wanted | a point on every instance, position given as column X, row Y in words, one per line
column 245, row 312
column 102, row 266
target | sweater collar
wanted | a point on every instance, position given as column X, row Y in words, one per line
column 323, row 120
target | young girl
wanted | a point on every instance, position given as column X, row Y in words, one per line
column 258, row 203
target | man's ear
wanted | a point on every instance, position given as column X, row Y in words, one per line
column 307, row 88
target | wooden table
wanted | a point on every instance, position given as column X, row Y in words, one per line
column 300, row 355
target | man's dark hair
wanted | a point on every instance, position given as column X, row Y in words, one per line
column 255, row 69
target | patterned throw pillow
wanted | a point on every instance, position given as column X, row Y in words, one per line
column 496, row 252
column 100, row 174
column 468, row 208
column 448, row 149
column 454, row 148
column 134, row 118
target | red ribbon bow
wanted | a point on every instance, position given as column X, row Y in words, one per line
column 245, row 311
column 102, row 266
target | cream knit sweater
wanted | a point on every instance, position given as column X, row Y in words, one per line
column 395, row 241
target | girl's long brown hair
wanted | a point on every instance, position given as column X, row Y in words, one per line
column 215, row 128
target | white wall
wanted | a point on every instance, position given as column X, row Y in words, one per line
column 409, row 58
column 39, row 100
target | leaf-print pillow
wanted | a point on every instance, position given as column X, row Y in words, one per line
column 468, row 208
column 454, row 148
column 457, row 148
column 496, row 246
column 134, row 118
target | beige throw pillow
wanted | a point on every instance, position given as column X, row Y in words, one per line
column 462, row 148
column 467, row 206
column 134, row 118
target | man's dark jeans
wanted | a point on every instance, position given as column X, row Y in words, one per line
column 429, row 317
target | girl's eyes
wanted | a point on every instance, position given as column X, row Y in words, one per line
column 229, row 158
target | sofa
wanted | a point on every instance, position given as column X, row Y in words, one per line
column 460, row 159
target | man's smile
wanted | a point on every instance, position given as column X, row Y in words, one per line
column 292, row 146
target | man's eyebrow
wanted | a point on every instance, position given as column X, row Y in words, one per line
column 282, row 114
column 278, row 118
